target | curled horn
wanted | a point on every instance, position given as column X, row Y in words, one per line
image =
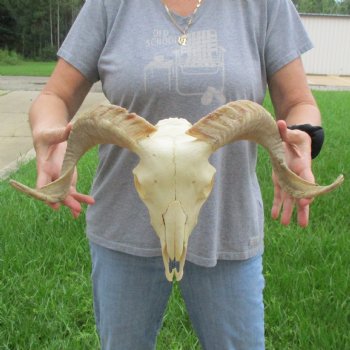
column 105, row 124
column 246, row 120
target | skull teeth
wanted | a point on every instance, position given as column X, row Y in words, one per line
column 174, row 264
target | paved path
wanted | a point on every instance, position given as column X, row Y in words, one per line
column 8, row 83
column 17, row 94
column 329, row 82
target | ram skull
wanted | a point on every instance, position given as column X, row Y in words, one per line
column 174, row 177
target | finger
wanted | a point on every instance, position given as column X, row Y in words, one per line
column 282, row 128
column 73, row 205
column 42, row 180
column 288, row 136
column 277, row 203
column 83, row 198
column 288, row 207
column 57, row 135
column 277, row 199
column 74, row 201
column 62, row 134
column 76, row 213
column 303, row 215
column 54, row 206
column 305, row 201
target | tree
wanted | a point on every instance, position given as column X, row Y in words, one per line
column 323, row 6
column 7, row 28
column 344, row 7
column 36, row 27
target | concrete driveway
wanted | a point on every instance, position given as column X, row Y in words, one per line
column 16, row 96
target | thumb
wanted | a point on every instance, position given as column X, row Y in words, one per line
column 282, row 128
column 56, row 135
column 290, row 137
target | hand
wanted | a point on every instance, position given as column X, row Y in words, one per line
column 298, row 156
column 50, row 147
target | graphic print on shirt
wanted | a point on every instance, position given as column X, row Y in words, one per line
column 202, row 60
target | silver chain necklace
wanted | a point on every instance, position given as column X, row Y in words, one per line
column 182, row 39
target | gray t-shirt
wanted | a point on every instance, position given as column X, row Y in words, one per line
column 234, row 46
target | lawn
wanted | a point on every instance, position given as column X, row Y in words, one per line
column 27, row 68
column 45, row 290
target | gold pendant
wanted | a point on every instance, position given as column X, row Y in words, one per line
column 182, row 40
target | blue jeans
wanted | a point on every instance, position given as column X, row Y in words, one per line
column 225, row 302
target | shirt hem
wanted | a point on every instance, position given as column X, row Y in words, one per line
column 80, row 66
column 291, row 56
column 191, row 257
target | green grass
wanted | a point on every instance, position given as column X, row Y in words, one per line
column 27, row 68
column 45, row 290
column 307, row 295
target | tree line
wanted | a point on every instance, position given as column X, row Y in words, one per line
column 36, row 28
column 339, row 7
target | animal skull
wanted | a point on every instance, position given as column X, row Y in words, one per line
column 174, row 177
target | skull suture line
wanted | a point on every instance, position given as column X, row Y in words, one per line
column 174, row 177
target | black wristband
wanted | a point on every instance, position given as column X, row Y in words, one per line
column 317, row 136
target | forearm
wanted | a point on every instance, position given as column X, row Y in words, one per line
column 303, row 113
column 291, row 96
column 47, row 112
column 296, row 108
column 59, row 100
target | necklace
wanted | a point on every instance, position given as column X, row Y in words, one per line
column 182, row 39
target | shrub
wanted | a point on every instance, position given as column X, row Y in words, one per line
column 10, row 57
column 48, row 53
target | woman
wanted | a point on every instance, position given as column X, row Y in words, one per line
column 180, row 58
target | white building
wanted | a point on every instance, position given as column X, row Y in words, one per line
column 330, row 35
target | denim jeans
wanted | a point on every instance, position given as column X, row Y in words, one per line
column 225, row 302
